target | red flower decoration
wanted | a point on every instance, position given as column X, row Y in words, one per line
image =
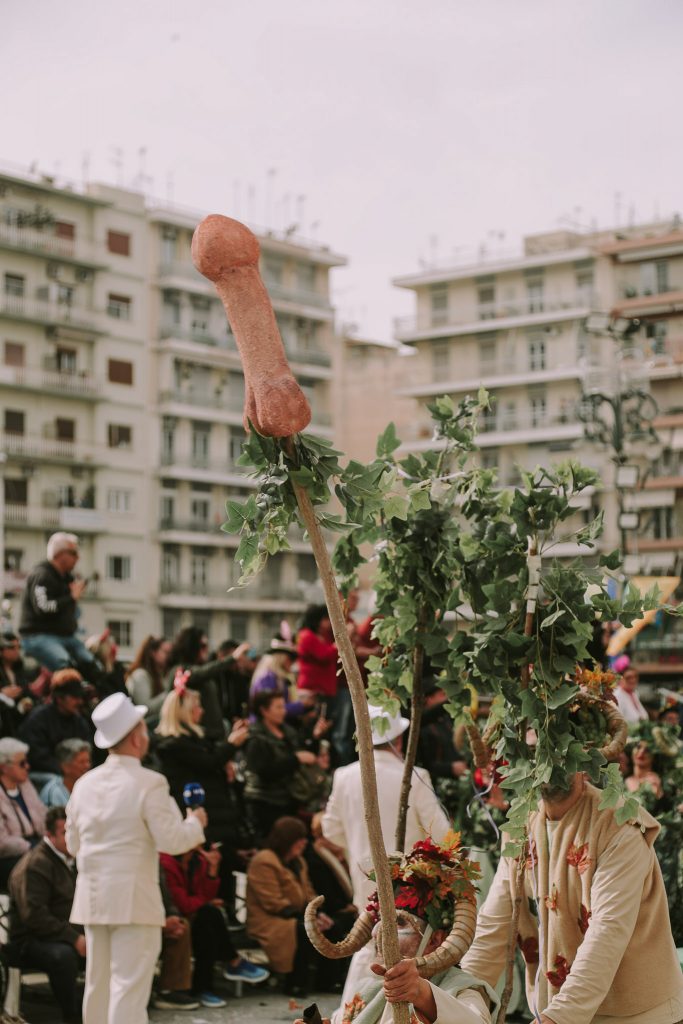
column 584, row 919
column 577, row 857
column 551, row 900
column 529, row 948
column 559, row 975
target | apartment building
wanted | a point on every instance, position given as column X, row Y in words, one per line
column 200, row 432
column 74, row 371
column 518, row 325
column 121, row 393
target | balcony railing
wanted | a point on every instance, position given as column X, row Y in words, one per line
column 78, row 384
column 211, row 399
column 18, row 307
column 47, row 448
column 190, row 525
column 495, row 311
column 303, row 296
column 258, row 590
column 31, row 515
column 182, row 268
column 31, row 240
column 316, row 357
column 199, row 337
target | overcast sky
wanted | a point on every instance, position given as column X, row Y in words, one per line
column 414, row 128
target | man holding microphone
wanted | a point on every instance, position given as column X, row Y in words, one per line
column 120, row 816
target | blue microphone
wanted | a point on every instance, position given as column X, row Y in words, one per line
column 193, row 795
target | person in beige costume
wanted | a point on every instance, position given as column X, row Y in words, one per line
column 120, row 816
column 606, row 954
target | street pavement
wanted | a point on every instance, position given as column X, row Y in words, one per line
column 259, row 1004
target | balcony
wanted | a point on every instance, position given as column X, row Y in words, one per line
column 31, row 517
column 495, row 316
column 47, row 449
column 299, row 296
column 186, row 274
column 261, row 594
column 174, row 332
column 50, row 314
column 81, row 520
column 501, row 374
column 206, row 400
column 66, row 250
column 78, row 384
column 518, row 428
column 176, row 530
column 669, row 302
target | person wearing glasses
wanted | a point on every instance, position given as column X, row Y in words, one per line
column 15, row 697
column 22, row 814
column 49, row 611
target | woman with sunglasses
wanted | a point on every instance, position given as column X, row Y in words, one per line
column 22, row 814
column 15, row 697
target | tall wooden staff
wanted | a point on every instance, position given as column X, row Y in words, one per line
column 227, row 252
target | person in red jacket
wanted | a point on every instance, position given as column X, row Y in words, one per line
column 193, row 881
column 317, row 655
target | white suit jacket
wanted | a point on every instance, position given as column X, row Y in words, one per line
column 344, row 821
column 119, row 818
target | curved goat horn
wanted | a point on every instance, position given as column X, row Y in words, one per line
column 359, row 935
column 617, row 729
column 454, row 946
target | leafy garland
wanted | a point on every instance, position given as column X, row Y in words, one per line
column 450, row 545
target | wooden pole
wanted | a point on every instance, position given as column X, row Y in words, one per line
column 385, row 891
column 416, row 708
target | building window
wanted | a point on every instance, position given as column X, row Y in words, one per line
column 170, row 568
column 488, row 420
column 119, row 435
column 201, row 437
column 167, row 511
column 120, row 371
column 584, row 287
column 662, row 271
column 307, row 569
column 200, row 511
column 118, row 242
column 66, row 496
column 656, row 331
column 119, row 500
column 170, row 622
column 118, row 567
column 65, row 229
column 488, row 458
column 16, row 491
column 167, row 441
column 171, row 309
column 121, row 631
column 273, row 270
column 236, row 439
column 648, row 278
column 534, row 293
column 15, row 353
column 487, row 356
column 441, row 357
column 15, row 285
column 66, row 360
column 239, row 624
column 537, row 352
column 306, row 276
column 508, row 412
column 65, row 430
column 438, row 299
column 119, row 306
column 13, row 559
column 202, row 620
column 537, row 407
column 661, row 523
column 199, row 571
column 486, row 302
column 15, row 422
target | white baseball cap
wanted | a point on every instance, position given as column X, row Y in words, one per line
column 397, row 725
column 115, row 717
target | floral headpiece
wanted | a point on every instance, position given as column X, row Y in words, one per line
column 430, row 880
column 180, row 681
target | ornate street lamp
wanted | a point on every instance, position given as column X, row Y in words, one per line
column 617, row 409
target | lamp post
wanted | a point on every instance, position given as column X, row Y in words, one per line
column 617, row 409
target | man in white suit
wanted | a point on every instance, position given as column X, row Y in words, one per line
column 344, row 821
column 120, row 816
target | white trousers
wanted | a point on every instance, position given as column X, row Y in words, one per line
column 119, row 970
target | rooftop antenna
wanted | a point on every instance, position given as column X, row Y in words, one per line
column 631, row 215
column 142, row 179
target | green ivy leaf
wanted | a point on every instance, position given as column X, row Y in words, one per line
column 396, row 507
column 387, row 442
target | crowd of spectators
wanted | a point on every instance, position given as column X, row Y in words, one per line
column 262, row 734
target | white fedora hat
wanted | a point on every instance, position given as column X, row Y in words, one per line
column 396, row 727
column 115, row 717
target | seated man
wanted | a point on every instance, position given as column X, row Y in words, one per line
column 42, row 889
column 15, row 698
column 49, row 724
column 74, row 760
